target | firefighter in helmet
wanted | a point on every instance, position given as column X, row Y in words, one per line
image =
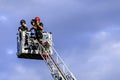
column 33, row 30
column 23, row 27
column 39, row 26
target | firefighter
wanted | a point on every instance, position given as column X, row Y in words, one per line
column 33, row 30
column 23, row 27
column 39, row 26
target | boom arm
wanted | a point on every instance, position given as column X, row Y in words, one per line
column 59, row 70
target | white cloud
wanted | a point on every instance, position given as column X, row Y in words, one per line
column 10, row 51
column 100, row 36
column 99, row 62
column 3, row 18
column 20, row 69
column 102, row 61
column 22, row 72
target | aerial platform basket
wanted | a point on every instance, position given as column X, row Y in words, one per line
column 32, row 50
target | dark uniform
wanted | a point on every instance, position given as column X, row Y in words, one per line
column 23, row 28
column 39, row 31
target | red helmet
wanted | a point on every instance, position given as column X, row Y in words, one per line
column 37, row 18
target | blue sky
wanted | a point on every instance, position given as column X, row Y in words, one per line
column 85, row 34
